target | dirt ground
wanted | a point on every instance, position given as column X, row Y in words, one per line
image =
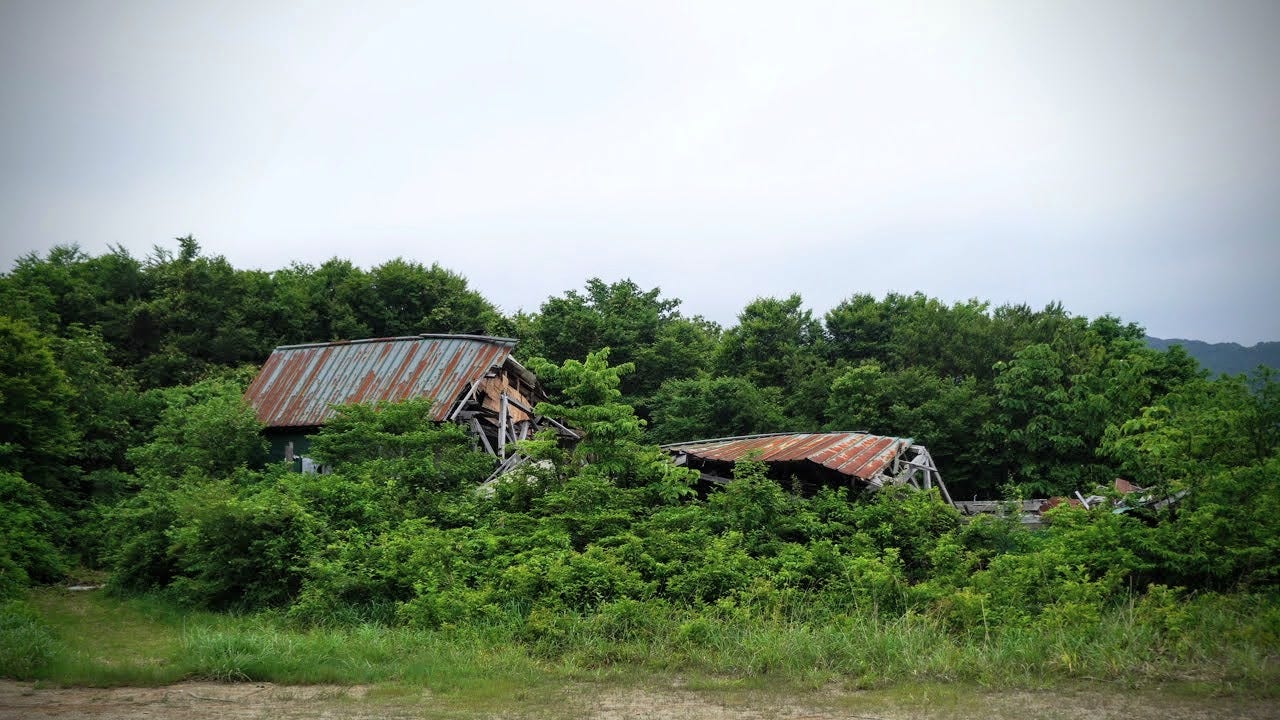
column 206, row 701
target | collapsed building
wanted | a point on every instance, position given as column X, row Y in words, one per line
column 808, row 461
column 1123, row 497
column 814, row 460
column 473, row 380
column 470, row 379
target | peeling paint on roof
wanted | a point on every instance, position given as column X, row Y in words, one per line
column 850, row 453
column 299, row 384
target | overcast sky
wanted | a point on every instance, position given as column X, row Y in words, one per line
column 1121, row 157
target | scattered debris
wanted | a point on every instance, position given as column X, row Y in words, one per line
column 1127, row 496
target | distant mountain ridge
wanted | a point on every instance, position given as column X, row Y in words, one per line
column 1230, row 358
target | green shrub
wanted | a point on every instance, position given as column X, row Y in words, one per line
column 240, row 549
column 137, row 528
column 718, row 570
column 1227, row 531
column 207, row 427
column 27, row 552
column 587, row 579
column 629, row 620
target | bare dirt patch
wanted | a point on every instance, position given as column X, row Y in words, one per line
column 206, row 701
column 188, row 701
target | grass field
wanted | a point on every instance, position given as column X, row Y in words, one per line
column 94, row 639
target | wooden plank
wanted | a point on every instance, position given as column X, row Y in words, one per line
column 465, row 399
column 507, row 465
column 484, row 438
column 495, row 388
column 521, row 405
column 943, row 486
column 502, row 427
column 571, row 433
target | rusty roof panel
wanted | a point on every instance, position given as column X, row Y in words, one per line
column 299, row 384
column 850, row 453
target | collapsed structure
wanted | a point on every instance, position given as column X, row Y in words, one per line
column 1124, row 497
column 816, row 459
column 474, row 380
column 470, row 379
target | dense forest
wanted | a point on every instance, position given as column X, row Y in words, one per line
column 125, row 445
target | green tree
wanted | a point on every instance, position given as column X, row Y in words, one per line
column 1226, row 532
column 316, row 304
column 638, row 326
column 27, row 550
column 67, row 287
column 1201, row 428
column 937, row 412
column 859, row 328
column 400, row 297
column 771, row 337
column 202, row 313
column 1039, row 445
column 613, row 444
column 714, row 407
column 904, row 331
column 1053, row 402
column 107, row 407
column 207, row 427
column 38, row 439
column 954, row 341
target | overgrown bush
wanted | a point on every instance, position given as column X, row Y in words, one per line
column 27, row 524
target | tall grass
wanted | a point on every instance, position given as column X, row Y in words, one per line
column 27, row 644
column 1225, row 643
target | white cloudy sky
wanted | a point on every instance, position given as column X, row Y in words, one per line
column 1119, row 156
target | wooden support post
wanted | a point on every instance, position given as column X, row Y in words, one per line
column 479, row 431
column 943, row 487
column 502, row 427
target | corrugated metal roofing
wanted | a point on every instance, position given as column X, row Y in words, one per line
column 299, row 384
column 850, row 453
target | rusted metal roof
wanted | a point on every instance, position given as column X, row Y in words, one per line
column 850, row 453
column 299, row 384
column 1125, row 487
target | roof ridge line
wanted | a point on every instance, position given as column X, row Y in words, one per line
column 405, row 338
column 762, row 435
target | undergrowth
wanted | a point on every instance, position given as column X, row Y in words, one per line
column 1226, row 643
